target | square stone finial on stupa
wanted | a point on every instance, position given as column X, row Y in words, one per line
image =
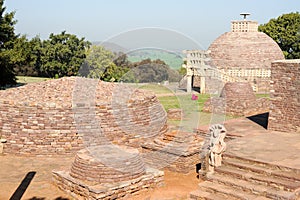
column 244, row 25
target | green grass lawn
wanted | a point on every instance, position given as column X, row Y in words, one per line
column 263, row 95
column 157, row 89
column 185, row 101
column 30, row 79
column 192, row 111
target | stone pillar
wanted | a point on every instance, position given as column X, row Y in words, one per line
column 202, row 85
column 2, row 141
column 285, row 96
column 189, row 83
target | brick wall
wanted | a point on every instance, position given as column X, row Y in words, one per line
column 38, row 119
column 237, row 99
column 285, row 96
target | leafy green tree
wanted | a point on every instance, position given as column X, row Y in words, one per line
column 114, row 73
column 98, row 59
column 105, row 65
column 36, row 49
column 7, row 38
column 285, row 30
column 62, row 55
column 182, row 71
column 147, row 71
column 24, row 57
column 121, row 60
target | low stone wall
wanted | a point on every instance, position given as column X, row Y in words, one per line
column 177, row 162
column 59, row 117
column 236, row 107
column 176, row 151
column 285, row 96
column 119, row 190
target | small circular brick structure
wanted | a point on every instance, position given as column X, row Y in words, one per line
column 238, row 90
column 111, row 164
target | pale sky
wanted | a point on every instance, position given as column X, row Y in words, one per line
column 99, row 20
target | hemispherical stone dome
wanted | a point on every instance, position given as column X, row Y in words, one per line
column 238, row 90
column 244, row 50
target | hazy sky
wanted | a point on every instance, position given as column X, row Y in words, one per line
column 98, row 20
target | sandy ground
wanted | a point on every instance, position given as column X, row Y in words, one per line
column 13, row 170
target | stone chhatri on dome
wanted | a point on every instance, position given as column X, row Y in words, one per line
column 244, row 47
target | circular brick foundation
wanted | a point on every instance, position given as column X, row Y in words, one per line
column 107, row 164
column 62, row 116
column 238, row 90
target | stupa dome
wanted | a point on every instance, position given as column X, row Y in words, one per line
column 244, row 48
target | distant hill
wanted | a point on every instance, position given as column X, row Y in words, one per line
column 111, row 46
column 172, row 59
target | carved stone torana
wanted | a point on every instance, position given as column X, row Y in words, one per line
column 216, row 146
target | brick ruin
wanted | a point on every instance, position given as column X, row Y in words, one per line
column 117, row 133
column 285, row 96
column 237, row 99
column 117, row 172
column 176, row 151
column 38, row 119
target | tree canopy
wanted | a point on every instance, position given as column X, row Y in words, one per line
column 62, row 55
column 147, row 71
column 7, row 38
column 285, row 30
column 104, row 64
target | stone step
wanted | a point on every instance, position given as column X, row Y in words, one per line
column 220, row 190
column 273, row 171
column 201, row 194
column 275, row 182
column 262, row 164
column 258, row 189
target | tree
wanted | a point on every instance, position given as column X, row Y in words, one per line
column 105, row 65
column 25, row 58
column 182, row 71
column 147, row 71
column 7, row 37
column 285, row 30
column 62, row 55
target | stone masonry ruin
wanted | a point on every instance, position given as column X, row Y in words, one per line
column 176, row 151
column 237, row 99
column 116, row 133
column 285, row 96
column 38, row 118
column 119, row 173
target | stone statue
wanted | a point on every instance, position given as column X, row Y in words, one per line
column 212, row 149
column 216, row 146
